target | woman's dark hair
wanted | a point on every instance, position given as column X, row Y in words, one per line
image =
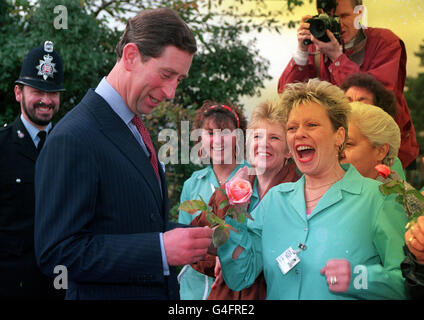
column 221, row 114
column 383, row 98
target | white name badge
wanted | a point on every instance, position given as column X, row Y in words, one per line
column 287, row 260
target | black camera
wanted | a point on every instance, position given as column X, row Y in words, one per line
column 319, row 25
column 326, row 20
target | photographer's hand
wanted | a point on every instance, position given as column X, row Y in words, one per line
column 303, row 33
column 332, row 49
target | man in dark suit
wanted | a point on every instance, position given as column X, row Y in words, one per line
column 101, row 194
column 38, row 92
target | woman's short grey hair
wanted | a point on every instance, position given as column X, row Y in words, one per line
column 378, row 127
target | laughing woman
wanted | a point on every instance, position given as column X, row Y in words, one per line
column 269, row 158
column 331, row 234
column 374, row 138
column 218, row 124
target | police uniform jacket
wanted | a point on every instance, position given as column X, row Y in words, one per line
column 19, row 274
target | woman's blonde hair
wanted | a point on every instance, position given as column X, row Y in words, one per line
column 378, row 127
column 323, row 93
column 269, row 110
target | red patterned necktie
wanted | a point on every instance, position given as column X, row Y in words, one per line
column 148, row 142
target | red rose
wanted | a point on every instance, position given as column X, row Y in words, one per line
column 382, row 170
column 238, row 191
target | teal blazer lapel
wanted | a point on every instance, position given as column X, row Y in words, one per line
column 332, row 196
column 296, row 196
column 352, row 182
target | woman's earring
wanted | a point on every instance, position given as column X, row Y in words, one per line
column 340, row 151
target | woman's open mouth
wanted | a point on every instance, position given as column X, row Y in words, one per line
column 305, row 153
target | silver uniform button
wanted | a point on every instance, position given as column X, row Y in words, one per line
column 18, row 180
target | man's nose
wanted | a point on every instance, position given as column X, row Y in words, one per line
column 46, row 98
column 169, row 89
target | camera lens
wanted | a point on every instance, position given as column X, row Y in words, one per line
column 318, row 28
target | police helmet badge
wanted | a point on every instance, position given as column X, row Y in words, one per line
column 46, row 68
column 42, row 69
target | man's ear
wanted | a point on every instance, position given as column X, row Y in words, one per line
column 131, row 56
column 18, row 93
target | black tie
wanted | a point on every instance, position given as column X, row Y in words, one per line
column 42, row 135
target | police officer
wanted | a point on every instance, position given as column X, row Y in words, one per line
column 38, row 92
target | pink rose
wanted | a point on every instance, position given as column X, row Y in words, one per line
column 382, row 170
column 238, row 191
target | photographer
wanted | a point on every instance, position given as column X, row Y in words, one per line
column 376, row 51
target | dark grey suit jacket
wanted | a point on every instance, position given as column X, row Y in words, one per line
column 99, row 208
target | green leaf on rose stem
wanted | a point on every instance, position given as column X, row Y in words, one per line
column 192, row 206
column 391, row 187
column 245, row 212
column 202, row 200
column 211, row 220
column 223, row 204
column 413, row 219
column 416, row 194
column 393, row 183
column 220, row 236
column 214, row 219
column 231, row 212
column 248, row 215
column 241, row 218
column 400, row 199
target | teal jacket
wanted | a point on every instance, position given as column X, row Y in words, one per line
column 352, row 221
column 193, row 284
column 397, row 166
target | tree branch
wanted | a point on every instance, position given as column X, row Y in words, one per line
column 103, row 6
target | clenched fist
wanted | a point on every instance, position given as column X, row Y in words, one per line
column 338, row 274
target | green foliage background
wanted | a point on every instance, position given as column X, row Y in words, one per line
column 225, row 67
column 414, row 95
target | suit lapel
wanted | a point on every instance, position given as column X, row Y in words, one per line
column 165, row 204
column 22, row 139
column 117, row 131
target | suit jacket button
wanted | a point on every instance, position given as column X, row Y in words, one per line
column 18, row 180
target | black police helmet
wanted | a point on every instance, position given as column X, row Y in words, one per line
column 42, row 69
